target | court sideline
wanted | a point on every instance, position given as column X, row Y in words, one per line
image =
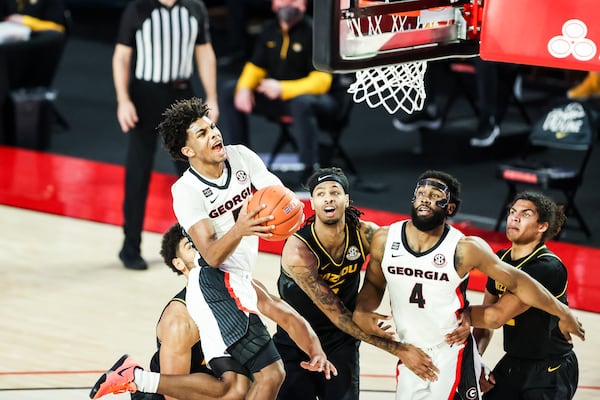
column 70, row 310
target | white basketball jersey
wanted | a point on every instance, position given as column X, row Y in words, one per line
column 426, row 293
column 196, row 198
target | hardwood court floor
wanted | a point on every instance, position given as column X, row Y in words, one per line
column 69, row 310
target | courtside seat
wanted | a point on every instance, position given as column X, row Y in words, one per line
column 560, row 146
column 332, row 125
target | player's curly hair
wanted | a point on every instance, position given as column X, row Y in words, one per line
column 547, row 210
column 352, row 214
column 450, row 181
column 177, row 119
column 170, row 244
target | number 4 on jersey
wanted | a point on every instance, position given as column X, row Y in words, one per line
column 416, row 296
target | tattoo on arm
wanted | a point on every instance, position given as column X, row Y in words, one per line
column 369, row 232
column 458, row 258
column 330, row 304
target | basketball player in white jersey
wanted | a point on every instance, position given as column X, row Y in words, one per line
column 210, row 203
column 426, row 264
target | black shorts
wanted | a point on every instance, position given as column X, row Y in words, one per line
column 300, row 384
column 468, row 387
column 518, row 378
column 255, row 350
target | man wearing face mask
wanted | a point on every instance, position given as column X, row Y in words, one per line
column 280, row 80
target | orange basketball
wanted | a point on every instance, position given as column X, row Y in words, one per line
column 283, row 205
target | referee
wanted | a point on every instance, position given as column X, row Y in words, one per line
column 153, row 61
column 539, row 362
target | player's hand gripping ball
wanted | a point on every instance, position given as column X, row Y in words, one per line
column 283, row 205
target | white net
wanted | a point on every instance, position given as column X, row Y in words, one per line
column 399, row 86
column 396, row 86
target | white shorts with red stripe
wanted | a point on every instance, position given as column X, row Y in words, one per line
column 458, row 378
column 220, row 302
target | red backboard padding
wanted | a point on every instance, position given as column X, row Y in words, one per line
column 551, row 33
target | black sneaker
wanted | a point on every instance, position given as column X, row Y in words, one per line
column 486, row 136
column 421, row 119
column 132, row 261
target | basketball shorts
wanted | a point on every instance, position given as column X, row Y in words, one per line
column 458, row 378
column 518, row 378
column 223, row 305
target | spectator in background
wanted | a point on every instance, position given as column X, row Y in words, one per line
column 39, row 16
column 280, row 80
column 151, row 71
column 589, row 87
column 20, row 60
column 239, row 14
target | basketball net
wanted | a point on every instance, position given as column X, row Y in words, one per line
column 392, row 86
column 396, row 86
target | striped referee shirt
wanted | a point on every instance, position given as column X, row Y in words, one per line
column 164, row 38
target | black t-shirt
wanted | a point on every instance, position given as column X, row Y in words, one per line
column 343, row 277
column 535, row 334
column 285, row 57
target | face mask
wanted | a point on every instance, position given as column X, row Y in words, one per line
column 289, row 14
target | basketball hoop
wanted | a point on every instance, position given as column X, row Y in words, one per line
column 395, row 86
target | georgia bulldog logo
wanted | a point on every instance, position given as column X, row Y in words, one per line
column 471, row 393
column 439, row 260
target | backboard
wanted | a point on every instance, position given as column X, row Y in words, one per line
column 350, row 35
column 551, row 33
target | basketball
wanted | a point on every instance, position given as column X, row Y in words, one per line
column 283, row 205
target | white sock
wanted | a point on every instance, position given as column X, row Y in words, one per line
column 146, row 381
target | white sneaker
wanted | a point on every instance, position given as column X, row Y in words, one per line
column 486, row 138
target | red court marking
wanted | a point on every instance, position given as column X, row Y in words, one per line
column 93, row 191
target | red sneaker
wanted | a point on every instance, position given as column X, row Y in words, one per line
column 118, row 379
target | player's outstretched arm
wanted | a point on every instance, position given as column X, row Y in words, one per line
column 474, row 252
column 297, row 327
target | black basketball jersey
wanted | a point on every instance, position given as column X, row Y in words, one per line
column 343, row 277
column 535, row 334
column 198, row 362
